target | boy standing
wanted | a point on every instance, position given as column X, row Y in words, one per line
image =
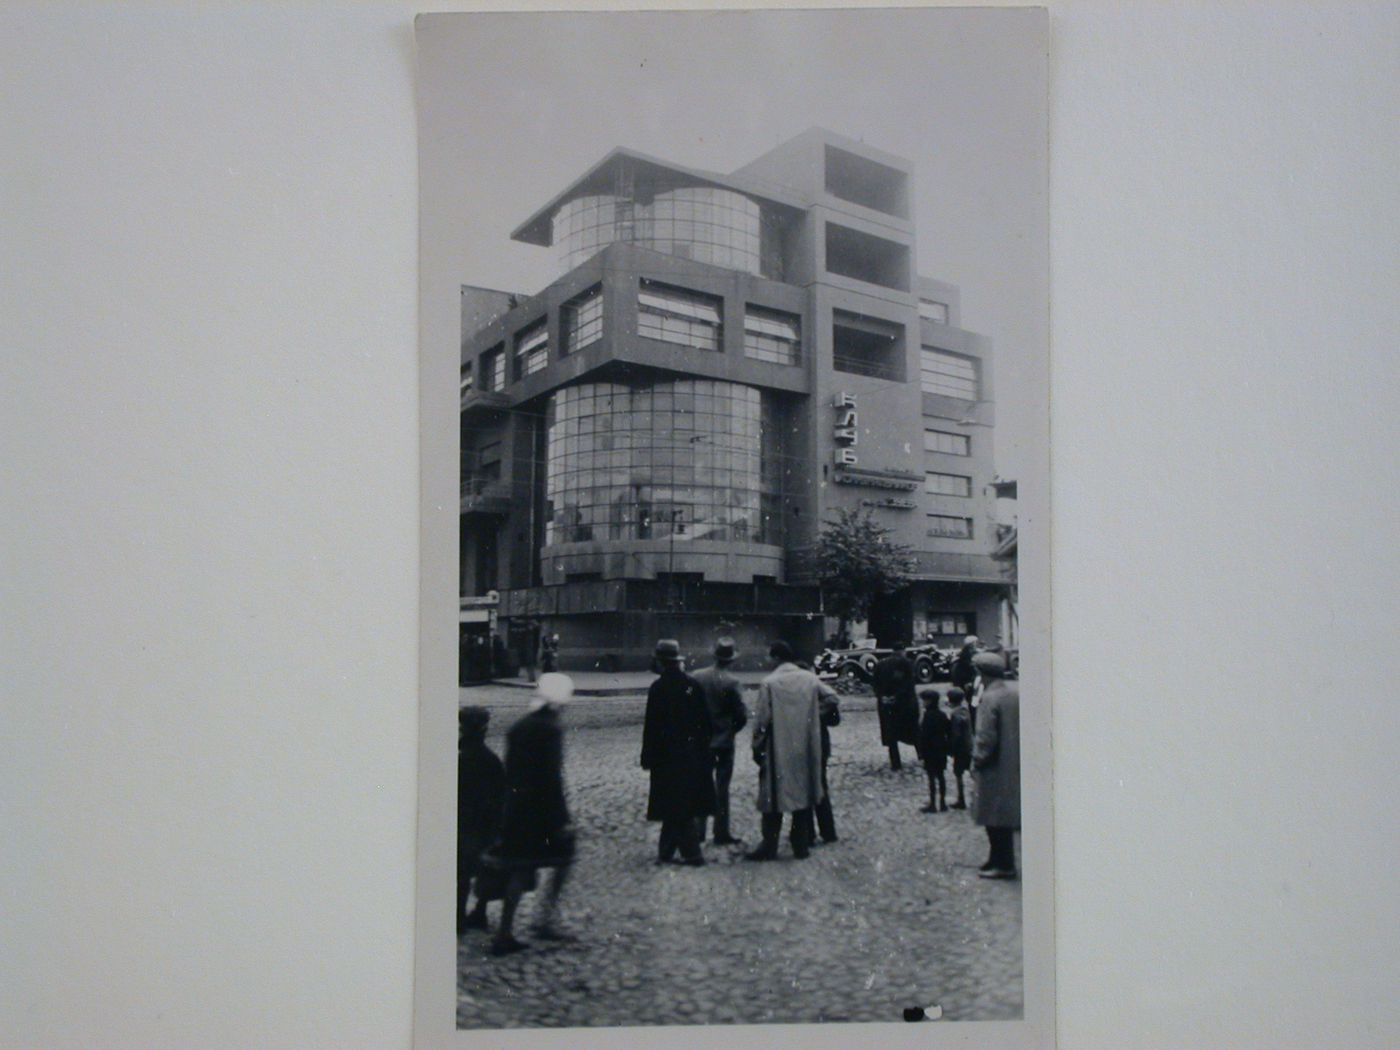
column 959, row 740
column 933, row 749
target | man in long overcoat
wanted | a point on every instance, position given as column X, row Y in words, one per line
column 895, row 703
column 787, row 745
column 676, row 751
column 728, row 715
column 996, row 764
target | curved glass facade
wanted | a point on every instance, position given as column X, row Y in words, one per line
column 704, row 223
column 693, row 459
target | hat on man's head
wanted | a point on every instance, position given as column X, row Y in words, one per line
column 991, row 664
column 725, row 650
column 668, row 650
column 473, row 719
column 972, row 639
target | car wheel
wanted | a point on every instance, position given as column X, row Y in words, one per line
column 923, row 670
column 867, row 664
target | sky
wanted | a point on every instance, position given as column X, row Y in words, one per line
column 513, row 107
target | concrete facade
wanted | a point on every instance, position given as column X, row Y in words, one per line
column 872, row 397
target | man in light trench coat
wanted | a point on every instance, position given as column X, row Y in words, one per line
column 787, row 745
column 996, row 765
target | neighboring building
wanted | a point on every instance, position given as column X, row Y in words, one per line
column 1006, row 554
column 651, row 443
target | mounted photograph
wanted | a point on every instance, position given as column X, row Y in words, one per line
column 735, row 546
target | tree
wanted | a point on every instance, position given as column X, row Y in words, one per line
column 857, row 562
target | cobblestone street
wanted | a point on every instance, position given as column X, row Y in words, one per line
column 891, row 916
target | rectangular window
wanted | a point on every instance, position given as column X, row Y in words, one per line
column 943, row 441
column 866, row 182
column 933, row 311
column 531, row 350
column 949, row 527
column 493, row 369
column 466, row 379
column 867, row 346
column 874, row 260
column 770, row 335
column 937, row 484
column 581, row 320
column 952, row 623
column 675, row 315
column 489, row 460
column 949, row 374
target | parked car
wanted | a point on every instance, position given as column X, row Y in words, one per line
column 930, row 662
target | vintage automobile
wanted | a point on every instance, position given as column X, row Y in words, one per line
column 930, row 663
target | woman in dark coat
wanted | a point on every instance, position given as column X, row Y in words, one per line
column 481, row 790
column 676, row 751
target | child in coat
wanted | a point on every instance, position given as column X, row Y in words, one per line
column 933, row 749
column 959, row 740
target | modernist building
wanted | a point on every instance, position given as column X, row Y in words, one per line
column 651, row 443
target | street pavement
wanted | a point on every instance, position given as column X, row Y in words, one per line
column 891, row 916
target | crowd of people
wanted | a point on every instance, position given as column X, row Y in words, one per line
column 513, row 819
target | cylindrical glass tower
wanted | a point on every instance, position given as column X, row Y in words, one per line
column 704, row 223
column 693, row 459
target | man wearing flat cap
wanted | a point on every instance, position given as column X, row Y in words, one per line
column 996, row 765
column 728, row 715
column 676, row 751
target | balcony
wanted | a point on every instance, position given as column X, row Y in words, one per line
column 474, row 401
column 485, row 496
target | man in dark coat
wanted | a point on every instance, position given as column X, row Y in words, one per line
column 481, row 790
column 535, row 828
column 996, row 763
column 829, row 714
column 895, row 703
column 676, row 751
column 728, row 715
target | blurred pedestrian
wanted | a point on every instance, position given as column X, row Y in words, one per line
column 933, row 750
column 996, row 763
column 676, row 739
column 787, row 747
column 725, row 701
column 895, row 703
column 959, row 740
column 535, row 828
column 481, row 792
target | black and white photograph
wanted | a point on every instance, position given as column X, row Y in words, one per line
column 749, row 315
column 642, row 421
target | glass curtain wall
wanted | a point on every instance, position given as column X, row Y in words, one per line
column 685, row 460
column 704, row 223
